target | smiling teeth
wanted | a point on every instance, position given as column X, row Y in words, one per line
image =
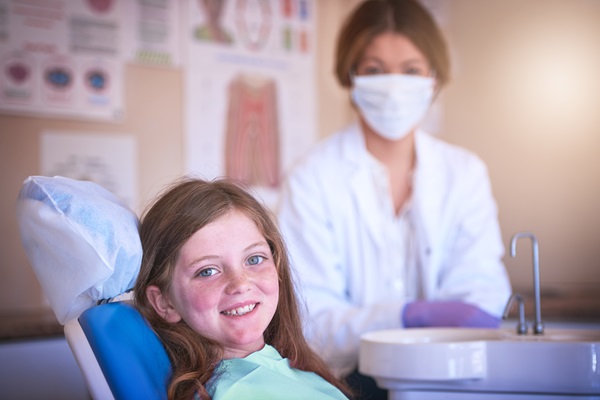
column 240, row 310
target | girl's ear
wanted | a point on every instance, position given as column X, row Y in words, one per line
column 162, row 305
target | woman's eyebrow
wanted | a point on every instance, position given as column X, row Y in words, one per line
column 370, row 59
column 414, row 61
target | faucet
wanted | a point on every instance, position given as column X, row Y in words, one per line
column 522, row 326
column 538, row 327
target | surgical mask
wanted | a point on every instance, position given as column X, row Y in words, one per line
column 392, row 104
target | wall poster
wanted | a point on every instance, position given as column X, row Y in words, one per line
column 62, row 58
column 152, row 33
column 250, row 89
column 107, row 159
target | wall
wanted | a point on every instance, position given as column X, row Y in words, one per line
column 154, row 117
column 523, row 96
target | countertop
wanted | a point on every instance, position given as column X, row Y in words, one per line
column 581, row 307
column 29, row 325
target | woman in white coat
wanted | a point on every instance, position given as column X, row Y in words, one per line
column 387, row 226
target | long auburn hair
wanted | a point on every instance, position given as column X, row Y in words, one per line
column 184, row 208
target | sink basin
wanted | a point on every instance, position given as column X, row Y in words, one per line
column 561, row 361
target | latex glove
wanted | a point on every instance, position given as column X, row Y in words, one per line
column 445, row 314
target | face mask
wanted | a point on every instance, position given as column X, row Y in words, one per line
column 392, row 104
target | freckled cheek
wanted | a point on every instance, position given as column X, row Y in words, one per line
column 273, row 292
column 203, row 312
column 271, row 284
column 202, row 300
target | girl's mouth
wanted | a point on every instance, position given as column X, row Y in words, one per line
column 239, row 311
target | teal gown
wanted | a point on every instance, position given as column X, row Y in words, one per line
column 265, row 375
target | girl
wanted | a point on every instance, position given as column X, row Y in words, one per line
column 215, row 284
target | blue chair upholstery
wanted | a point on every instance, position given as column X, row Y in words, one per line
column 130, row 355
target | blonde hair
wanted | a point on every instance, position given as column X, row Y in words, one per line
column 186, row 207
column 374, row 17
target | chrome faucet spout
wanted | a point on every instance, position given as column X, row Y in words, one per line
column 538, row 327
column 522, row 325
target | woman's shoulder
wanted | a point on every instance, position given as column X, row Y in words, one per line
column 452, row 155
column 336, row 148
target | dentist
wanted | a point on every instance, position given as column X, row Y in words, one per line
column 387, row 226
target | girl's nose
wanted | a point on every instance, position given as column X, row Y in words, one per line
column 239, row 282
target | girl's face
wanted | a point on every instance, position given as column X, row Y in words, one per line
column 225, row 285
column 392, row 53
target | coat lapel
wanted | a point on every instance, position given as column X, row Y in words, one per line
column 362, row 186
column 428, row 198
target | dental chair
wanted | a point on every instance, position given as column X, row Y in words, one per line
column 83, row 245
column 119, row 354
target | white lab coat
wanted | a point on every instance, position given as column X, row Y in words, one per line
column 329, row 215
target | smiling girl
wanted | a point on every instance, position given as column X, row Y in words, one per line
column 215, row 284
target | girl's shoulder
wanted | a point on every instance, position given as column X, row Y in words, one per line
column 266, row 374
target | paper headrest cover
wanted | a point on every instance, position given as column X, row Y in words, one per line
column 81, row 240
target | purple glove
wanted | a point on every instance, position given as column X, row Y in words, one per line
column 446, row 313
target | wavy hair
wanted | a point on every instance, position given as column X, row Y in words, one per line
column 184, row 208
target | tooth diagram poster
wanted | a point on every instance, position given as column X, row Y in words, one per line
column 249, row 89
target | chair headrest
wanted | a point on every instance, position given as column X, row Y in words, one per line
column 81, row 240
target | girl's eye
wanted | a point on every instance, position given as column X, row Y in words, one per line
column 207, row 272
column 254, row 260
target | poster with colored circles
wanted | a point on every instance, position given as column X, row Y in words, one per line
column 62, row 59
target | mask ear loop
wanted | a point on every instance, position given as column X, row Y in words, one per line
column 436, row 87
column 351, row 76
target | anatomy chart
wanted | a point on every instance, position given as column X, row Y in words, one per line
column 249, row 82
column 61, row 58
column 252, row 133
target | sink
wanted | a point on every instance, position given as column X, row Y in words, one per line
column 479, row 361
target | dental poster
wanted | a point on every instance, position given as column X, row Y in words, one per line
column 62, row 58
column 152, row 34
column 107, row 159
column 250, row 89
